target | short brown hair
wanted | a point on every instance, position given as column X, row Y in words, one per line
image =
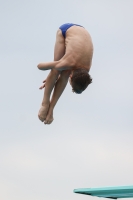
column 80, row 80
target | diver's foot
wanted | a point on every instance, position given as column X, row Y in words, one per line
column 42, row 114
column 49, row 118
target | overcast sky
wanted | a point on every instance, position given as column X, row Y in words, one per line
column 90, row 142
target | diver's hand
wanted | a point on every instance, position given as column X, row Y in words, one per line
column 44, row 82
column 43, row 86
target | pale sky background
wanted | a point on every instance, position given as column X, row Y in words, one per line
column 90, row 142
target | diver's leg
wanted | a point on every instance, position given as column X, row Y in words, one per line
column 52, row 77
column 58, row 90
column 50, row 82
column 61, row 83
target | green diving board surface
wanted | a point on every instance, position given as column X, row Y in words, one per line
column 108, row 192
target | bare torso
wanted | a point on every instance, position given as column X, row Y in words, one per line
column 79, row 47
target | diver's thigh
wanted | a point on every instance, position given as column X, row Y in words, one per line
column 59, row 49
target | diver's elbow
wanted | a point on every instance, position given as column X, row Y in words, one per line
column 39, row 66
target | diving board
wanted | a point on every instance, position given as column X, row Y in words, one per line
column 108, row 192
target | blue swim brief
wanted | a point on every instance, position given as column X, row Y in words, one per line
column 66, row 26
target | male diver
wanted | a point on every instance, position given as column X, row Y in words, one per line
column 72, row 60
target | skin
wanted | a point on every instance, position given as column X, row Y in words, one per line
column 70, row 53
